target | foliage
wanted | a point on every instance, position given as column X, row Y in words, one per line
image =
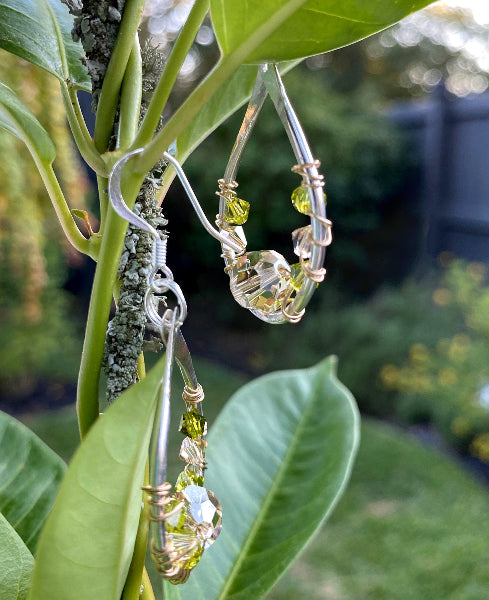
column 410, row 525
column 38, row 338
column 393, row 520
column 446, row 381
column 365, row 335
column 412, row 58
column 94, row 541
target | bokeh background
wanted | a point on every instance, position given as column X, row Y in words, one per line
column 401, row 124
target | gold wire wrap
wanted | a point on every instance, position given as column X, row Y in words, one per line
column 316, row 275
column 165, row 563
column 328, row 238
column 226, row 191
column 291, row 317
column 193, row 396
column 308, row 180
column 159, row 497
column 166, row 558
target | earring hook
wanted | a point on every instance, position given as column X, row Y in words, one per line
column 121, row 208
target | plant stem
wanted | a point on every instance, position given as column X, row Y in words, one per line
column 114, row 75
column 63, row 212
column 99, row 310
column 80, row 132
column 130, row 105
column 135, row 574
column 169, row 75
column 147, row 593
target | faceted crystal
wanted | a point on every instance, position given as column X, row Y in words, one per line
column 300, row 199
column 236, row 211
column 301, row 238
column 259, row 280
column 193, row 424
column 296, row 276
column 205, row 510
column 187, row 545
column 191, row 452
column 189, row 476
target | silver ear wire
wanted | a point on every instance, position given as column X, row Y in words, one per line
column 121, row 208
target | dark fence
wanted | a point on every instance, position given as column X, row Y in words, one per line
column 452, row 138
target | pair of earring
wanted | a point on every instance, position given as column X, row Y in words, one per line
column 187, row 521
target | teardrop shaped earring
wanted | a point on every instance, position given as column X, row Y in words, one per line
column 263, row 281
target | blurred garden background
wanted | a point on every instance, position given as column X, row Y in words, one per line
column 401, row 124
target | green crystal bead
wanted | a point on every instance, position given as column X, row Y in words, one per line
column 236, row 211
column 296, row 276
column 300, row 199
column 177, row 521
column 189, row 477
column 188, row 546
column 193, row 424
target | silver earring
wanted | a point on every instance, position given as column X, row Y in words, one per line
column 186, row 522
column 263, row 281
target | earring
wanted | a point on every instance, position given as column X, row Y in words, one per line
column 186, row 522
column 263, row 281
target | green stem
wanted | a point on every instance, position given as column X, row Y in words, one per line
column 99, row 310
column 80, row 132
column 169, row 75
column 131, row 91
column 63, row 212
column 102, row 185
column 147, row 593
column 114, row 75
column 207, row 88
column 134, row 578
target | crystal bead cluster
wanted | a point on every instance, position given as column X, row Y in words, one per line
column 193, row 515
column 263, row 281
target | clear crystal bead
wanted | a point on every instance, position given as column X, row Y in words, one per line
column 191, row 452
column 204, row 509
column 301, row 238
column 259, row 281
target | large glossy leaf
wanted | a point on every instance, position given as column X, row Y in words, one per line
column 287, row 29
column 279, row 457
column 18, row 119
column 39, row 31
column 16, row 563
column 87, row 543
column 30, row 474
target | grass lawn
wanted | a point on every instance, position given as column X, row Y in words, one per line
column 411, row 526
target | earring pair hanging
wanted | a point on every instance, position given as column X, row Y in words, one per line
column 263, row 281
column 186, row 522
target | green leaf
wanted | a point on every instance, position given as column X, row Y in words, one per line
column 279, row 30
column 16, row 563
column 279, row 457
column 87, row 543
column 18, row 119
column 232, row 95
column 30, row 474
column 39, row 31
